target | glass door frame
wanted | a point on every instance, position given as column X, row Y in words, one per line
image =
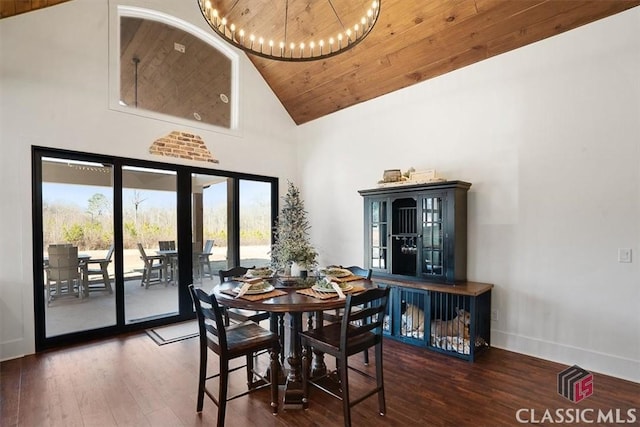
column 183, row 227
column 384, row 237
column 443, row 248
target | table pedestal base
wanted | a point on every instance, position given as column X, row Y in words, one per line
column 292, row 395
column 293, row 386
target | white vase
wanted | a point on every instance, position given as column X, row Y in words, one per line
column 295, row 269
column 287, row 270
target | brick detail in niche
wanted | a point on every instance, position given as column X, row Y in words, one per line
column 183, row 145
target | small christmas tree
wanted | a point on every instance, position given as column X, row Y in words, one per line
column 291, row 235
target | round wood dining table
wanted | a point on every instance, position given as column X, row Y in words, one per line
column 295, row 304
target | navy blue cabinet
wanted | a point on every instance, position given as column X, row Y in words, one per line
column 417, row 231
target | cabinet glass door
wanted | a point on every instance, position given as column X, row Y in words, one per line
column 432, row 241
column 378, row 235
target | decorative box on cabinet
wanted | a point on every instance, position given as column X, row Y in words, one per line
column 454, row 320
column 417, row 231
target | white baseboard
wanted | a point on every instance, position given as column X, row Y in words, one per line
column 603, row 363
column 11, row 349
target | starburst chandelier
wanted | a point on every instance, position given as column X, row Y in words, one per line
column 290, row 30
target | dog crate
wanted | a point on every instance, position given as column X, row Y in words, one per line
column 459, row 324
column 451, row 320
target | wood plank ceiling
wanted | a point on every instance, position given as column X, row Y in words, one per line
column 413, row 41
column 16, row 7
column 191, row 83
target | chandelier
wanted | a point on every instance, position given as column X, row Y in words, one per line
column 290, row 30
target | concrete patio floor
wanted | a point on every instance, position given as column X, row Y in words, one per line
column 71, row 314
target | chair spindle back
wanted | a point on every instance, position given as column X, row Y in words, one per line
column 363, row 314
column 210, row 323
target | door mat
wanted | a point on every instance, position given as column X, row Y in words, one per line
column 171, row 333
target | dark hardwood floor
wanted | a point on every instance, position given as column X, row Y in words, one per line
column 131, row 381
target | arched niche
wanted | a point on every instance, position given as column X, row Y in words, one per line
column 168, row 69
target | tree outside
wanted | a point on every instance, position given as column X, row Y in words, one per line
column 147, row 219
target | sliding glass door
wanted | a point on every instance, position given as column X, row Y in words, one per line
column 210, row 227
column 118, row 241
column 77, row 242
column 150, row 256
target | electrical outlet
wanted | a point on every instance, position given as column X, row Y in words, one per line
column 494, row 315
column 624, row 255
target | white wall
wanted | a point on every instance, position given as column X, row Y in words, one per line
column 54, row 92
column 549, row 136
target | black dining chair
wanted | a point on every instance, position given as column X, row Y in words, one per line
column 238, row 340
column 360, row 329
column 241, row 315
column 238, row 314
column 359, row 271
column 336, row 315
column 365, row 273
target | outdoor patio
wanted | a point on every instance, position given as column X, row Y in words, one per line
column 72, row 314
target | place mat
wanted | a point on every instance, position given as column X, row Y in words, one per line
column 256, row 297
column 248, row 279
column 327, row 295
column 315, row 294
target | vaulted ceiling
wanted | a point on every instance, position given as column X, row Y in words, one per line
column 413, row 41
column 16, row 7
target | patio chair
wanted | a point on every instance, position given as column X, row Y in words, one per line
column 152, row 263
column 203, row 258
column 167, row 245
column 241, row 340
column 359, row 330
column 99, row 266
column 64, row 276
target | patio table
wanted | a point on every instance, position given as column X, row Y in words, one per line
column 171, row 260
